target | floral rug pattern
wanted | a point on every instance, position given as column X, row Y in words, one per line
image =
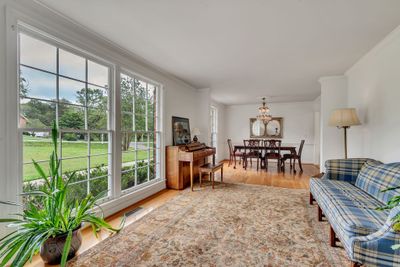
column 232, row 225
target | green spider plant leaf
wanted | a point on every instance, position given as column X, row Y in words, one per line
column 395, row 247
column 66, row 249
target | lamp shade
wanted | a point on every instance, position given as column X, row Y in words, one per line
column 344, row 117
column 195, row 131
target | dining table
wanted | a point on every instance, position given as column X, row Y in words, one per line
column 238, row 148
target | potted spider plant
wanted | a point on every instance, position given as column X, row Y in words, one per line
column 54, row 227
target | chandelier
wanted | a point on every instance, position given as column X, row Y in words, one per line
column 264, row 115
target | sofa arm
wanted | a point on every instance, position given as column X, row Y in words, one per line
column 344, row 169
column 376, row 249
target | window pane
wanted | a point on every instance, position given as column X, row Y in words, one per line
column 36, row 114
column 153, row 171
column 97, row 97
column 71, row 65
column 127, row 141
column 140, row 98
column 36, row 146
column 37, row 84
column 99, row 186
column 72, row 92
column 128, row 160
column 151, row 124
column 74, row 145
column 78, row 165
column 142, row 171
column 98, row 143
column 97, row 119
column 127, row 179
column 140, row 123
column 37, row 54
column 99, row 163
column 30, row 173
column 77, row 191
column 97, row 74
column 126, row 93
column 71, row 117
column 127, row 121
column 142, row 141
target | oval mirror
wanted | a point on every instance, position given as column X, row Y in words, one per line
column 274, row 128
column 258, row 128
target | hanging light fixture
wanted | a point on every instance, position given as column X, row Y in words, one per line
column 264, row 115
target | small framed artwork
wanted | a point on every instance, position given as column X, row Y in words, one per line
column 180, row 131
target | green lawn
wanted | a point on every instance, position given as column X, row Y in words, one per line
column 40, row 148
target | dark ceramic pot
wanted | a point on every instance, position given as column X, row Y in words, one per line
column 51, row 250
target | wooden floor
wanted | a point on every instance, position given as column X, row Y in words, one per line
column 287, row 179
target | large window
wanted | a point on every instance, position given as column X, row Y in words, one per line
column 60, row 84
column 71, row 90
column 139, row 117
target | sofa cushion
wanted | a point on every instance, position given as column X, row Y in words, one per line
column 375, row 177
column 348, row 206
column 344, row 169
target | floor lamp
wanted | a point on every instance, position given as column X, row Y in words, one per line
column 344, row 118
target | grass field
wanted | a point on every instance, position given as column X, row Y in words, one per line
column 40, row 149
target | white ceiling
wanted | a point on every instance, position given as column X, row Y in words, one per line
column 242, row 49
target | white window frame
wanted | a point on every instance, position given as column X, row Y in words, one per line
column 91, row 46
column 39, row 35
column 157, row 126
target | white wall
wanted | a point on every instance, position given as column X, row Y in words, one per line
column 3, row 187
column 298, row 123
column 333, row 96
column 374, row 89
column 317, row 130
column 222, row 145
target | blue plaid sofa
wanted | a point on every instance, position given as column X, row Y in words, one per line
column 348, row 195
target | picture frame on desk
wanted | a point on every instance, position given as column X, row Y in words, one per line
column 180, row 131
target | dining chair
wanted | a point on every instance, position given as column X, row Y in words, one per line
column 273, row 151
column 233, row 154
column 251, row 151
column 295, row 156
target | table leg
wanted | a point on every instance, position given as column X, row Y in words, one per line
column 234, row 156
column 191, row 176
column 212, row 179
column 200, row 178
column 222, row 175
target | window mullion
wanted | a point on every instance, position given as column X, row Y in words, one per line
column 116, row 134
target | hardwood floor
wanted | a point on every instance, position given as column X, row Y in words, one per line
column 287, row 179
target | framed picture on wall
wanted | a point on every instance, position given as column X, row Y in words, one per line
column 180, row 131
column 272, row 129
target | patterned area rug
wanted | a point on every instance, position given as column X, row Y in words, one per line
column 232, row 225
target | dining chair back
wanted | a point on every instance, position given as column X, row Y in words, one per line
column 293, row 156
column 301, row 148
column 251, row 150
column 273, row 151
column 233, row 154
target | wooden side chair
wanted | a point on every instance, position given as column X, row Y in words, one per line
column 251, row 151
column 295, row 156
column 210, row 169
column 273, row 151
column 233, row 154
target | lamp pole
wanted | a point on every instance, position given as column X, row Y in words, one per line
column 345, row 140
